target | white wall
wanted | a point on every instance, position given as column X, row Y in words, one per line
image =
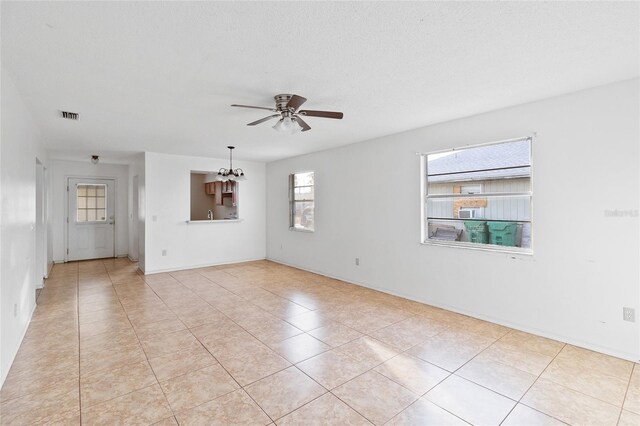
column 21, row 145
column 167, row 180
column 60, row 171
column 136, row 222
column 585, row 265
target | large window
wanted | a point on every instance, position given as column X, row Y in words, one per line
column 91, row 203
column 301, row 201
column 479, row 196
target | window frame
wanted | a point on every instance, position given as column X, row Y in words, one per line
column 293, row 201
column 424, row 197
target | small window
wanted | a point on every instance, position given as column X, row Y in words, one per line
column 479, row 196
column 301, row 201
column 469, row 213
column 91, row 202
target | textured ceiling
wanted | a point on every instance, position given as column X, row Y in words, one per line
column 160, row 76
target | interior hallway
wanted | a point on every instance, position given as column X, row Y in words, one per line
column 258, row 342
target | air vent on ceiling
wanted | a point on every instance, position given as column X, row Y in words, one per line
column 70, row 115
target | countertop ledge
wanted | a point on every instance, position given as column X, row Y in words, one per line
column 215, row 221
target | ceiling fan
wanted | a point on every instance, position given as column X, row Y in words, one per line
column 289, row 114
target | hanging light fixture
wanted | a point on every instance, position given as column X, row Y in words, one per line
column 230, row 173
column 287, row 124
column 95, row 159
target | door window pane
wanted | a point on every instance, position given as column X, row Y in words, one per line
column 91, row 203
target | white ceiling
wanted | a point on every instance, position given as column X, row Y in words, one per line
column 160, row 76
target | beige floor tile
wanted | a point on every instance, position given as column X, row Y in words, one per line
column 308, row 321
column 299, row 348
column 46, row 404
column 531, row 362
column 274, row 332
column 169, row 343
column 284, row 392
column 171, row 421
column 522, row 415
column 101, row 343
column 324, row 411
column 369, row 351
column 252, row 366
column 500, row 378
column 332, row 368
column 103, row 385
column 335, row 334
column 407, row 333
column 627, row 418
column 425, row 412
column 149, row 330
column 450, row 350
column 39, row 378
column 106, row 341
column 144, row 406
column 591, row 382
column 632, row 401
column 375, row 397
column 71, row 418
column 181, row 362
column 569, row 406
column 602, row 363
column 520, row 340
column 103, row 326
column 215, row 328
column 197, row 387
column 235, row 408
column 114, row 358
column 413, row 373
column 470, row 402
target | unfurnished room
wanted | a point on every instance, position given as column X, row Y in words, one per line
column 320, row 213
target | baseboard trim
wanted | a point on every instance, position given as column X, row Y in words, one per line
column 13, row 355
column 549, row 335
column 207, row 265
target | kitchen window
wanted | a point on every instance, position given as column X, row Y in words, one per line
column 479, row 196
column 301, row 201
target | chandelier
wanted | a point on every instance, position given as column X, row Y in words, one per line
column 228, row 174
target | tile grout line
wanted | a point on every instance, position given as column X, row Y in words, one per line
column 532, row 384
column 626, row 391
column 140, row 343
column 79, row 346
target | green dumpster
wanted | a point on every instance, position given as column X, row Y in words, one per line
column 502, row 233
column 476, row 231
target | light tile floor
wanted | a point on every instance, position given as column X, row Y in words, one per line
column 261, row 343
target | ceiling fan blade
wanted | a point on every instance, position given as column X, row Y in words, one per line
column 302, row 123
column 323, row 114
column 255, row 107
column 262, row 120
column 296, row 102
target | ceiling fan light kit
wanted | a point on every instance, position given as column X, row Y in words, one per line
column 287, row 110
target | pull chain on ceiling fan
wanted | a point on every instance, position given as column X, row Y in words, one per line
column 287, row 110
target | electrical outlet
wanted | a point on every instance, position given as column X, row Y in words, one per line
column 164, row 252
column 357, row 261
column 629, row 314
column 15, row 310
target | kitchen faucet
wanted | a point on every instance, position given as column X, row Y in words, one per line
column 210, row 215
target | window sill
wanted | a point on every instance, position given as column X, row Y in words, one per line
column 307, row 231
column 480, row 247
column 215, row 221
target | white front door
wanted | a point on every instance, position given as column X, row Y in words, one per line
column 91, row 218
